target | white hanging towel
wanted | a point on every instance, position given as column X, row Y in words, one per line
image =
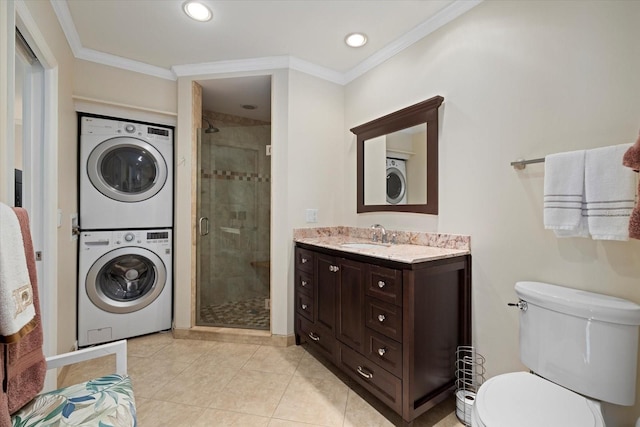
column 564, row 194
column 609, row 193
column 17, row 312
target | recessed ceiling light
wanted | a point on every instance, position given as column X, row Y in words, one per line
column 356, row 39
column 197, row 10
column 249, row 107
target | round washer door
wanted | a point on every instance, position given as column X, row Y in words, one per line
column 396, row 186
column 127, row 169
column 126, row 280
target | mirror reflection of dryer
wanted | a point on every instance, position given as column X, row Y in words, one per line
column 396, row 181
column 126, row 174
column 125, row 284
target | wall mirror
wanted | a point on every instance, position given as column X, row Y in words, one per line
column 397, row 160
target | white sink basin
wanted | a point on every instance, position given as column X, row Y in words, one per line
column 363, row 245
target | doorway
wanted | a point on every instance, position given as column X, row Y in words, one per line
column 29, row 140
column 234, row 206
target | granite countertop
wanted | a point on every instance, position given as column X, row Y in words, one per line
column 411, row 247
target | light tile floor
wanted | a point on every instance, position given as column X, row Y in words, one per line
column 193, row 383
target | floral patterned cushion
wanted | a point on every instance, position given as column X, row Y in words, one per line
column 104, row 402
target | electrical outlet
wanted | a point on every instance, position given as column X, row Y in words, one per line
column 311, row 215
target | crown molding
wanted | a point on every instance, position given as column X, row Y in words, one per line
column 437, row 21
column 445, row 16
column 124, row 63
column 258, row 64
column 316, row 70
column 231, row 66
column 61, row 8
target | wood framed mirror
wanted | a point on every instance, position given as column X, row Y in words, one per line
column 397, row 160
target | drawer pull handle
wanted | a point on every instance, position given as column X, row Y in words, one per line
column 362, row 372
column 381, row 284
column 381, row 317
column 382, row 351
column 334, row 268
column 304, row 260
column 304, row 306
column 314, row 336
column 304, row 283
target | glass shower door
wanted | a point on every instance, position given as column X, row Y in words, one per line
column 233, row 228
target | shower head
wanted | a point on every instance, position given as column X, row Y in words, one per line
column 211, row 128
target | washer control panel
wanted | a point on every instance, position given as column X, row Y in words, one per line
column 99, row 126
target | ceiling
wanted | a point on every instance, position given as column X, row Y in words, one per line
column 157, row 38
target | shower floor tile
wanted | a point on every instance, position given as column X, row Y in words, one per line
column 250, row 313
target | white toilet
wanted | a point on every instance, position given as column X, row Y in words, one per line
column 581, row 347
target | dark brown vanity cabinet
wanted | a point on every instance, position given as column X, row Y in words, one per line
column 392, row 327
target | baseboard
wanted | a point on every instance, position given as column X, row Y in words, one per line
column 235, row 335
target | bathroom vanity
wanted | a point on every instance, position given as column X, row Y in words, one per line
column 388, row 316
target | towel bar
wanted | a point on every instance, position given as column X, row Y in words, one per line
column 521, row 164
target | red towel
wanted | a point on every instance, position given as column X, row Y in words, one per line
column 25, row 363
column 631, row 160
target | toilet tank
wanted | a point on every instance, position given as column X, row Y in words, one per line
column 583, row 341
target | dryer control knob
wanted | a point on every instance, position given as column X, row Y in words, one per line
column 130, row 128
column 129, row 237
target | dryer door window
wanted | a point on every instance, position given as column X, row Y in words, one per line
column 127, row 169
column 126, row 280
column 396, row 186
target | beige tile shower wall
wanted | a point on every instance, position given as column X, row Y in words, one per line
column 235, row 176
column 520, row 79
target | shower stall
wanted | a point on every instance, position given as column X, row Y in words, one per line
column 233, row 223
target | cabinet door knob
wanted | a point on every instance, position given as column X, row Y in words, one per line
column 304, row 260
column 362, row 372
column 304, row 283
column 381, row 284
column 314, row 336
column 382, row 351
column 381, row 317
column 304, row 306
column 334, row 268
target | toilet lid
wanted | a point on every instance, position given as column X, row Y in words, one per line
column 525, row 400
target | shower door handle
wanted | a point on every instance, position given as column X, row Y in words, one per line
column 203, row 231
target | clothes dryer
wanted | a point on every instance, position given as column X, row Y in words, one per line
column 125, row 284
column 126, row 174
column 396, row 181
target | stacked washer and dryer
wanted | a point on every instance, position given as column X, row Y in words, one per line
column 125, row 255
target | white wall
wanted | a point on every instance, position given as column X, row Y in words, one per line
column 519, row 80
column 115, row 85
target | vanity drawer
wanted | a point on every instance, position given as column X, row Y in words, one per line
column 304, row 260
column 384, row 318
column 376, row 380
column 305, row 282
column 384, row 351
column 385, row 284
column 305, row 306
column 318, row 338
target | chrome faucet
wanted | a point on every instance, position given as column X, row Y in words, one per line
column 383, row 232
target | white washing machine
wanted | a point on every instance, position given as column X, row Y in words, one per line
column 126, row 174
column 396, row 181
column 125, row 284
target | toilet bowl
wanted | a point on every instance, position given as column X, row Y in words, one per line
column 526, row 400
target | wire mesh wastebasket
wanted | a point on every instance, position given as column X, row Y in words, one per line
column 469, row 377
